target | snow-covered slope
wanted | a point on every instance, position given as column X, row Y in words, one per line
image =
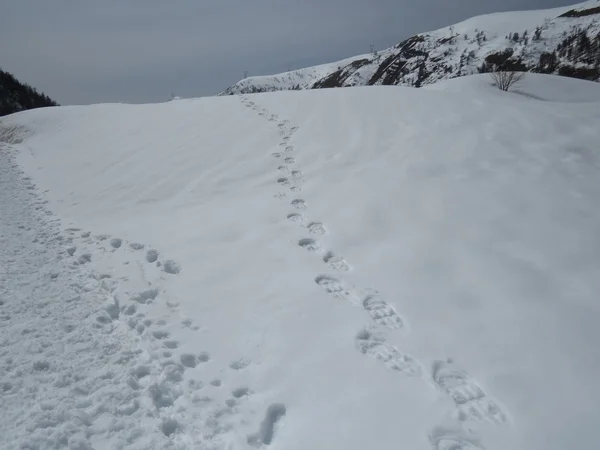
column 563, row 41
column 318, row 269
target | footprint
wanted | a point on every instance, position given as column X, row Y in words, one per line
column 266, row 431
column 373, row 345
column 216, row 383
column 295, row 189
column 160, row 334
column 141, row 371
column 145, row 296
column 290, row 160
column 284, row 182
column 240, row 392
column 276, row 155
column 382, row 313
column 316, row 228
column 136, row 246
column 336, row 262
column 296, row 173
column 283, row 169
column 336, row 289
column 470, row 399
column 151, row 256
column 309, row 244
column 299, row 218
column 203, row 357
column 171, row 344
column 447, row 439
column 299, row 204
column 289, row 148
column 169, row 426
column 239, row 364
column 188, row 360
column 116, row 243
column 171, row 267
column 280, row 195
column 85, row 258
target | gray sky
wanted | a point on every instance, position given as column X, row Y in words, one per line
column 82, row 51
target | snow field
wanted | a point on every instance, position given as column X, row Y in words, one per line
column 348, row 268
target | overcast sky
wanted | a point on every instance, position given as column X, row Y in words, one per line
column 81, row 51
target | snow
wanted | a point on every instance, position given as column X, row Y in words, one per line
column 378, row 267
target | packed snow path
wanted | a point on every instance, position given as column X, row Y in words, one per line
column 71, row 372
column 86, row 360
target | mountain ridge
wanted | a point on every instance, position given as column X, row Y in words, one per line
column 563, row 41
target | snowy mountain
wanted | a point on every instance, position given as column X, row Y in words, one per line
column 323, row 269
column 16, row 96
column 564, row 41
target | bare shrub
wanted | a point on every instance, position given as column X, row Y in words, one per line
column 504, row 80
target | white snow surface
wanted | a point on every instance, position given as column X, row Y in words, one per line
column 380, row 267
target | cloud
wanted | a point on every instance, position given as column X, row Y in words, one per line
column 140, row 50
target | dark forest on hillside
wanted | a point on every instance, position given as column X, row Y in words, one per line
column 16, row 96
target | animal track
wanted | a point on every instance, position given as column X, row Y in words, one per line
column 336, row 289
column 296, row 173
column 283, row 169
column 276, row 155
column 470, row 399
column 382, row 313
column 336, row 262
column 290, row 160
column 373, row 345
column 289, row 148
column 284, row 182
column 309, row 244
column 316, row 228
column 299, row 204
